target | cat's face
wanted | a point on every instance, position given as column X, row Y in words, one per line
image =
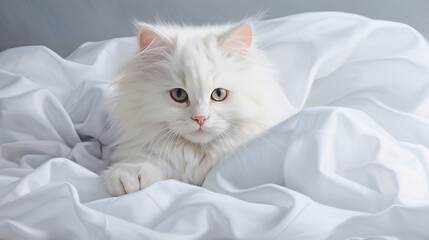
column 201, row 91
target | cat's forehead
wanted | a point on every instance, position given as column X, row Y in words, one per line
column 199, row 60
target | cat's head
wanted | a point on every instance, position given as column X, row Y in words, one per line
column 202, row 83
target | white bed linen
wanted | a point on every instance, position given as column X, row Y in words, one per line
column 352, row 163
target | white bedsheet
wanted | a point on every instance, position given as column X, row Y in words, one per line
column 352, row 163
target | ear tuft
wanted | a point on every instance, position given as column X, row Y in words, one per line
column 239, row 37
column 149, row 37
column 146, row 37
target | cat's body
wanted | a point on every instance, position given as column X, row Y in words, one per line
column 190, row 96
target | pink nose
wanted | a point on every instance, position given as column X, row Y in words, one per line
column 200, row 119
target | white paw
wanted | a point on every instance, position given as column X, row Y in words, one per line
column 123, row 178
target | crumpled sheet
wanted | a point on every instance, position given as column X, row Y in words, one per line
column 352, row 163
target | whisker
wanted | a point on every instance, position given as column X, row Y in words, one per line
column 278, row 148
column 165, row 144
column 153, row 145
column 138, row 131
column 146, row 142
column 231, row 149
column 238, row 148
column 170, row 161
column 218, row 136
column 169, row 146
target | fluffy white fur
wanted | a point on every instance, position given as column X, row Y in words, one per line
column 158, row 139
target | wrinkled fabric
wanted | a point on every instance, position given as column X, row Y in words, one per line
column 351, row 163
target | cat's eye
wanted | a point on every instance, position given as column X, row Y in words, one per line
column 179, row 95
column 219, row 94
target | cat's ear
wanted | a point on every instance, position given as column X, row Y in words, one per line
column 239, row 38
column 149, row 37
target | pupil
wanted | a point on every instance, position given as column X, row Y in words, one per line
column 218, row 92
column 179, row 93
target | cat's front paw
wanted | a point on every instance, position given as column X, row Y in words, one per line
column 123, row 178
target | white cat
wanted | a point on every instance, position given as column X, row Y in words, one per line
column 190, row 95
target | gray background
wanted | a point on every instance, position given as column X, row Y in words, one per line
column 63, row 25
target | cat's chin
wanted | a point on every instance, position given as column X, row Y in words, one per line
column 199, row 137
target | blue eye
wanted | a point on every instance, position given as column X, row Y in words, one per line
column 219, row 94
column 179, row 95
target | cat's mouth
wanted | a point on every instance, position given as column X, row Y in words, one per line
column 199, row 136
column 200, row 133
